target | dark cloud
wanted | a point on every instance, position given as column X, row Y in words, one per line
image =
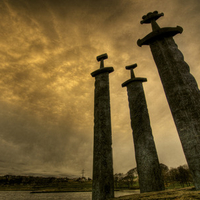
column 48, row 50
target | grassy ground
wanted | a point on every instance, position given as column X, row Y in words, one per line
column 176, row 185
column 74, row 186
column 188, row 193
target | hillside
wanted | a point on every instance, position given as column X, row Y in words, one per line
column 188, row 193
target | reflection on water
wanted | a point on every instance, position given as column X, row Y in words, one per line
column 25, row 195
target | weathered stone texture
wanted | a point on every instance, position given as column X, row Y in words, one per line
column 180, row 88
column 183, row 97
column 103, row 181
column 145, row 151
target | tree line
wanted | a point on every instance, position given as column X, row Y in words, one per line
column 173, row 177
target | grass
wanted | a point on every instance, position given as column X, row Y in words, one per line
column 187, row 193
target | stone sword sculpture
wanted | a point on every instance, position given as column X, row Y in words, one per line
column 148, row 166
column 103, row 180
column 180, row 88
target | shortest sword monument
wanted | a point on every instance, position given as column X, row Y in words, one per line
column 103, row 180
column 180, row 88
column 148, row 166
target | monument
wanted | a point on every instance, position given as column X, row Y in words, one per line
column 148, row 166
column 180, row 88
column 103, row 180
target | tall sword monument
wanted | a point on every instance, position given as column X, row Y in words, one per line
column 148, row 166
column 180, row 88
column 103, row 181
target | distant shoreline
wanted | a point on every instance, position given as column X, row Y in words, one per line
column 47, row 190
column 58, row 191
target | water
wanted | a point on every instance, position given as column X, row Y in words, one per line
column 25, row 195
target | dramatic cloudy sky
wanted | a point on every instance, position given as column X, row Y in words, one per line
column 48, row 49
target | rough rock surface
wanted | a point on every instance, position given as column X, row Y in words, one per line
column 180, row 88
column 145, row 151
column 103, row 182
column 183, row 97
